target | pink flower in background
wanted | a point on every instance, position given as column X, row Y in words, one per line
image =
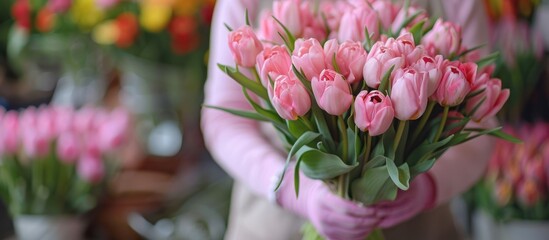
column 453, row 87
column 83, row 120
column 386, row 11
column 380, row 60
column 433, row 68
column 404, row 14
column 409, row 93
column 9, row 135
column 273, row 61
column 308, row 56
column 491, row 100
column 528, row 192
column 64, row 118
column 68, row 147
column 444, row 38
column 106, row 3
column 355, row 20
column 113, row 130
column 91, row 168
column 59, row 6
column 35, row 144
column 374, row 112
column 350, row 59
column 290, row 13
column 503, row 191
column 330, row 50
column 332, row 92
column 269, row 28
column 289, row 97
column 244, row 46
column 333, row 12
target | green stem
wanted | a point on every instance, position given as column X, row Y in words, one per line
column 423, row 120
column 368, row 148
column 256, row 74
column 343, row 179
column 400, row 131
column 442, row 123
column 307, row 123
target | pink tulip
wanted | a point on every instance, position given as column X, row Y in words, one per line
column 273, row 62
column 83, row 120
column 379, row 61
column 59, row 6
column 90, row 168
column 35, row 144
column 244, row 46
column 350, row 59
column 453, row 87
column 409, row 94
column 64, row 118
column 491, row 99
column 332, row 92
column 374, row 112
column 289, row 97
column 333, row 12
column 406, row 47
column 290, row 14
column 386, row 11
column 46, row 123
column 355, row 20
column 112, row 132
column 433, row 68
column 444, row 38
column 269, row 28
column 309, row 57
column 503, row 191
column 68, row 147
column 330, row 50
column 9, row 135
column 104, row 4
column 404, row 14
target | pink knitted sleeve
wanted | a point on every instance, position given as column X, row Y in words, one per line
column 236, row 143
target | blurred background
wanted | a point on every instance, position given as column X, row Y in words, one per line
column 149, row 57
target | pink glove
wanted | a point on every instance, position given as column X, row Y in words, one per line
column 332, row 216
column 419, row 197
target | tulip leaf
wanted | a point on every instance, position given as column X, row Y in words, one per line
column 385, row 85
column 228, row 27
column 244, row 81
column 320, row 165
column 271, row 115
column 422, row 166
column 323, row 128
column 488, row 132
column 399, row 175
column 241, row 113
column 248, row 18
column 290, row 41
column 374, row 186
column 469, row 51
column 368, row 40
column 499, row 134
column 417, row 31
column 408, row 21
column 306, row 138
column 487, row 60
column 377, row 161
column 426, row 149
column 304, row 80
column 297, row 128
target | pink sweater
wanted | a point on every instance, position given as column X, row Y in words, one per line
column 241, row 148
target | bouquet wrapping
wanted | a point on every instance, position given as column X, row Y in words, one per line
column 366, row 95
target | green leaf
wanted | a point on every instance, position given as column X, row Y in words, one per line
column 291, row 38
column 368, row 40
column 253, row 86
column 305, row 139
column 303, row 80
column 320, row 165
column 374, row 186
column 425, row 149
column 296, row 180
column 377, row 161
column 241, row 113
column 469, row 51
column 323, row 128
column 271, row 115
column 384, row 86
column 498, row 132
column 400, row 176
column 487, row 60
column 422, row 166
column 247, row 18
column 297, row 128
column 408, row 21
column 417, row 31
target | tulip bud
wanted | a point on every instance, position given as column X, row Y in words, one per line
column 245, row 46
column 90, row 168
column 379, row 61
column 350, row 59
column 491, row 100
column 444, row 38
column 308, row 56
column 68, row 147
column 409, row 94
column 273, row 62
column 332, row 92
column 374, row 112
column 433, row 68
column 289, row 97
column 453, row 87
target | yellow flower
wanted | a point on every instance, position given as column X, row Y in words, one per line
column 186, row 7
column 86, row 14
column 154, row 17
column 105, row 33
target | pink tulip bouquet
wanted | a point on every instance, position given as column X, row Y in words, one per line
column 55, row 160
column 366, row 94
column 516, row 184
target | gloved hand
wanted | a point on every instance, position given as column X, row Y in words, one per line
column 419, row 197
column 333, row 217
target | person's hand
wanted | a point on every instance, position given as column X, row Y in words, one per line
column 418, row 198
column 333, row 217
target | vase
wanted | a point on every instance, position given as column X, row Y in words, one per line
column 32, row 227
column 166, row 101
column 486, row 228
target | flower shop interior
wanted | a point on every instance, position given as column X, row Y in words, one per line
column 111, row 118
